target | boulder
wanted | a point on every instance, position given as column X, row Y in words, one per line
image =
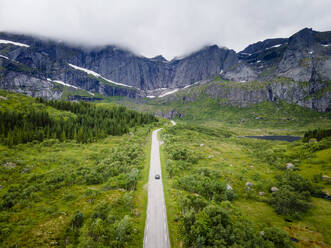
column 326, row 178
column 290, row 166
column 10, row 165
column 228, row 187
column 274, row 189
column 248, row 184
column 261, row 193
column 201, row 145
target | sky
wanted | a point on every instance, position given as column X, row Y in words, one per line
column 168, row 27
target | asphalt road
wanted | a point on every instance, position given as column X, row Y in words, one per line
column 156, row 227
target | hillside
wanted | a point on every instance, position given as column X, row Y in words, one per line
column 81, row 190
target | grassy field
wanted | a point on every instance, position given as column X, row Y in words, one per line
column 237, row 161
column 69, row 194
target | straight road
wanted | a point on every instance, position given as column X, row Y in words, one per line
column 156, row 227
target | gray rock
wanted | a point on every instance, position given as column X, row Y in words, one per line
column 228, row 187
column 248, row 184
column 274, row 189
column 10, row 165
column 290, row 166
column 295, row 70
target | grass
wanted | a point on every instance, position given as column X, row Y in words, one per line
column 54, row 187
column 171, row 206
column 142, row 193
column 240, row 160
column 209, row 130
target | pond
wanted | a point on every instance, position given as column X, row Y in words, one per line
column 281, row 138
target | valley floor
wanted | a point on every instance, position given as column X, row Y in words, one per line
column 195, row 154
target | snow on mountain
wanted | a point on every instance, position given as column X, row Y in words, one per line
column 2, row 56
column 168, row 93
column 68, row 85
column 97, row 75
column 13, row 43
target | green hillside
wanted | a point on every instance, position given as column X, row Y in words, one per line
column 79, row 189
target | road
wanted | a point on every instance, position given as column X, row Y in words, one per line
column 156, row 227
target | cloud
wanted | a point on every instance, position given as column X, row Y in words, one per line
column 171, row 27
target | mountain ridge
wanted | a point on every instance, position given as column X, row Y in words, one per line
column 114, row 71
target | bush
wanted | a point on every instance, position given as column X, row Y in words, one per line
column 289, row 202
column 223, row 226
column 210, row 188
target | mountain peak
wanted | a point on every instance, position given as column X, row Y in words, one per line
column 159, row 58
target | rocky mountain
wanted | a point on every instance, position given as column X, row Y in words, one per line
column 297, row 69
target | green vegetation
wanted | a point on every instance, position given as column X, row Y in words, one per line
column 87, row 123
column 221, row 189
column 218, row 185
column 62, row 193
column 317, row 134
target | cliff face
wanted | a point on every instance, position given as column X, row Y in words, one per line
column 33, row 65
column 52, row 58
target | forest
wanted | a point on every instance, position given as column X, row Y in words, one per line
column 90, row 122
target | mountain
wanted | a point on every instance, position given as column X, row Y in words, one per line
column 297, row 69
column 51, row 59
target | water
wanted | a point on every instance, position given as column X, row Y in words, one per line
column 281, row 138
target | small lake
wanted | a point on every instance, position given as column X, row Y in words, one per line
column 281, row 138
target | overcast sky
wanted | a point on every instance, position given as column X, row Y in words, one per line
column 167, row 27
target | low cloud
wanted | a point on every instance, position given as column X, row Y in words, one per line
column 171, row 28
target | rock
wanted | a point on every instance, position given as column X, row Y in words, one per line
column 248, row 184
column 281, row 65
column 228, row 187
column 169, row 115
column 326, row 178
column 201, row 145
column 274, row 189
column 210, row 156
column 262, row 233
column 251, row 166
column 258, row 118
column 3, row 98
column 10, row 165
column 290, row 166
column 261, row 193
column 312, row 140
column 25, row 170
column 230, row 165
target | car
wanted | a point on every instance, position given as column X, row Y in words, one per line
column 157, row 176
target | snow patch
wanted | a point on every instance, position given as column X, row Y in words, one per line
column 221, row 72
column 168, row 93
column 187, row 86
column 311, row 52
column 65, row 84
column 2, row 56
column 326, row 45
column 13, row 43
column 150, row 96
column 249, row 54
column 259, row 61
column 278, row 45
column 97, row 75
column 243, row 81
column 68, row 85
